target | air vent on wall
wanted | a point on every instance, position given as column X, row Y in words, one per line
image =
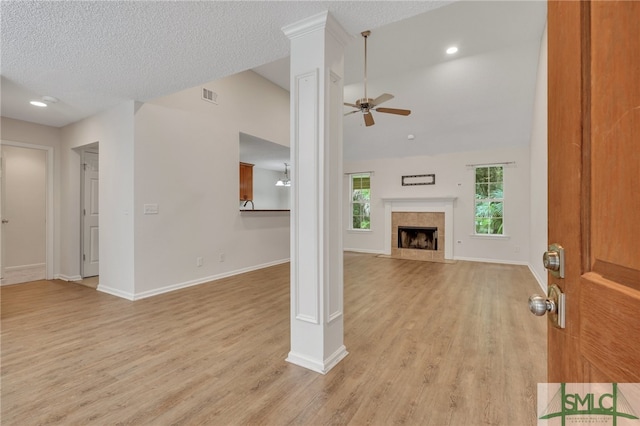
column 209, row 96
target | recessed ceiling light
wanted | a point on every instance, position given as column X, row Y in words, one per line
column 452, row 50
column 38, row 104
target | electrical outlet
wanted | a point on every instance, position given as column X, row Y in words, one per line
column 221, row 257
column 517, row 249
column 199, row 261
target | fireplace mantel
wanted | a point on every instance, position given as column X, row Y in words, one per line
column 420, row 204
column 418, row 199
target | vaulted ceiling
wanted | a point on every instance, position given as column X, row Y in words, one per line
column 94, row 55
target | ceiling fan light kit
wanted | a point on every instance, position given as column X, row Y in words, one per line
column 365, row 105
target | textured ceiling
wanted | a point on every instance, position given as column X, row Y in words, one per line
column 92, row 55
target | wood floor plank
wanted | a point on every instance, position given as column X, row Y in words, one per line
column 429, row 344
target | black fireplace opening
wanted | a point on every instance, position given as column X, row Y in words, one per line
column 416, row 237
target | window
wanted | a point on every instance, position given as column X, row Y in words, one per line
column 361, row 201
column 489, row 217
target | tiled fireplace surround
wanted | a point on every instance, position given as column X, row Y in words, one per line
column 422, row 212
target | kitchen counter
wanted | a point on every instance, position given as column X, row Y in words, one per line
column 263, row 210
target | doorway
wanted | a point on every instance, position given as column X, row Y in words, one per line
column 27, row 213
column 90, row 223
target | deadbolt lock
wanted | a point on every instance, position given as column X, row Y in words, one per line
column 553, row 260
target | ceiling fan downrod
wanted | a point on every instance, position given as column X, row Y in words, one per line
column 365, row 34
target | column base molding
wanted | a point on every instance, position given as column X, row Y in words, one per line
column 322, row 367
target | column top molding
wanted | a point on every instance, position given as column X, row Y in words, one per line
column 319, row 21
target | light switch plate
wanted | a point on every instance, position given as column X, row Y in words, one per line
column 150, row 209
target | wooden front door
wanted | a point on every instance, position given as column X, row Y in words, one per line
column 594, row 188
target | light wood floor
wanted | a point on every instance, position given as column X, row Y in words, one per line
column 429, row 344
column 91, row 282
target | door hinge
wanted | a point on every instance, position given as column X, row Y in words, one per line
column 84, row 166
column 84, row 212
column 84, row 257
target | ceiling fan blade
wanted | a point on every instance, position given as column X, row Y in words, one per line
column 351, row 105
column 351, row 112
column 394, row 111
column 368, row 119
column 382, row 98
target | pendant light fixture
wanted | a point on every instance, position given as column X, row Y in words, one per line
column 286, row 181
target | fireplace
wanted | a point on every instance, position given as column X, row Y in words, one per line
column 418, row 238
column 427, row 212
column 418, row 235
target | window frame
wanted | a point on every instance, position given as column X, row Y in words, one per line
column 352, row 202
column 489, row 199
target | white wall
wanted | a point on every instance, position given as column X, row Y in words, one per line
column 25, row 208
column 538, row 228
column 113, row 130
column 453, row 178
column 186, row 161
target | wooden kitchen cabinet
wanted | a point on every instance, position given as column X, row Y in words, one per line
column 246, row 181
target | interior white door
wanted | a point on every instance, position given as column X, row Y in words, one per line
column 90, row 215
column 24, row 215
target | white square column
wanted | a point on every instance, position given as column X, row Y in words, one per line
column 317, row 66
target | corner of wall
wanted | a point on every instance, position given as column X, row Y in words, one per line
column 542, row 281
column 538, row 171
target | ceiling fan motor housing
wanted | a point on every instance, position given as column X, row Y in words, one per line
column 365, row 103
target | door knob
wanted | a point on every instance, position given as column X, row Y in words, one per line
column 5, row 220
column 540, row 305
column 553, row 260
column 553, row 304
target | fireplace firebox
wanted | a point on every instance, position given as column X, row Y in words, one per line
column 417, row 237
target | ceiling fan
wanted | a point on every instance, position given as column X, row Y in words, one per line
column 366, row 104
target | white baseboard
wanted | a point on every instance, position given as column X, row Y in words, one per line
column 25, row 267
column 541, row 282
column 197, row 281
column 67, row 277
column 116, row 292
column 502, row 261
column 24, row 273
